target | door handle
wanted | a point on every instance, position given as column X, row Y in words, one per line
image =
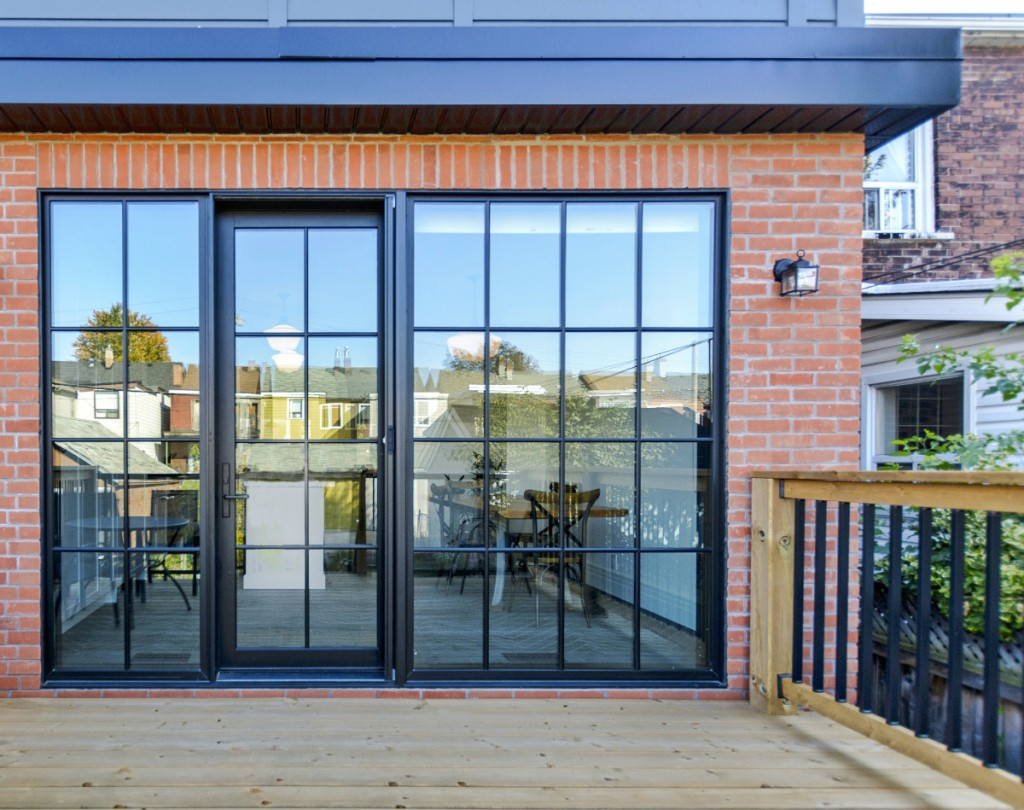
column 226, row 491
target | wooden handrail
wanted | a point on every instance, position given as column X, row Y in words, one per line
column 773, row 587
column 986, row 491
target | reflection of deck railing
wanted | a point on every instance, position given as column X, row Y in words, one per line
column 914, row 531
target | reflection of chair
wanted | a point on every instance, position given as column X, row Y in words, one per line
column 182, row 504
column 560, row 520
column 462, row 527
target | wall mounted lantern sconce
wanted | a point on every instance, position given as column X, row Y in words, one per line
column 797, row 276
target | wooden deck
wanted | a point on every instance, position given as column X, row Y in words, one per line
column 285, row 753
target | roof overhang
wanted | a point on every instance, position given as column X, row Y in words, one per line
column 949, row 300
column 478, row 80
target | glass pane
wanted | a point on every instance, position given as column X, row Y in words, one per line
column 448, row 381
column 270, row 398
column 892, row 163
column 343, row 280
column 274, row 513
column 448, row 603
column 523, row 624
column 600, row 385
column 675, row 384
column 446, row 492
column 897, row 209
column 163, row 262
column 87, row 590
column 673, row 495
column 163, row 383
column 87, row 385
column 525, row 380
column 516, row 468
column 598, row 598
column 270, row 598
column 872, row 220
column 269, row 279
column 343, row 494
column 608, row 470
column 525, row 264
column 448, row 247
column 600, row 264
column 678, row 262
column 343, row 611
column 343, row 393
column 165, row 612
column 675, row 602
column 85, row 265
column 88, row 480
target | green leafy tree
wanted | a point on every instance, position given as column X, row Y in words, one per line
column 143, row 347
column 1003, row 375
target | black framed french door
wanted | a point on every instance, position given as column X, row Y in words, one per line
column 302, row 416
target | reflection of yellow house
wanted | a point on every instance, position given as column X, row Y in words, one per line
column 341, row 404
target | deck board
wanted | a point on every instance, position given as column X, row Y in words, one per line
column 454, row 754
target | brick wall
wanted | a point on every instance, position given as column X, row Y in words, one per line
column 794, row 362
column 979, row 169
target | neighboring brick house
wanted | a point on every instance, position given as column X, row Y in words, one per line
column 400, row 264
column 955, row 192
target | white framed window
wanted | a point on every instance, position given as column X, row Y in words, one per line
column 899, row 198
column 107, row 404
column 330, row 416
column 908, row 408
column 296, row 409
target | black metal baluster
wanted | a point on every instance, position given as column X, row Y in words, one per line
column 893, row 668
column 990, row 695
column 865, row 674
column 799, row 528
column 820, row 540
column 922, row 662
column 842, row 597
column 954, row 705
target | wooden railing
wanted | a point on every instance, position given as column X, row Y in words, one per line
column 842, row 573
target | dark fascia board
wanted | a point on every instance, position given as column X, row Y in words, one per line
column 911, row 73
column 512, row 65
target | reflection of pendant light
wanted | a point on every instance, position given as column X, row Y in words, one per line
column 286, row 339
column 286, row 358
column 469, row 346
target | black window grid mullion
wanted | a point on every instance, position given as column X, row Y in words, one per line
column 307, row 420
column 129, row 607
column 486, row 483
column 563, row 252
column 637, row 446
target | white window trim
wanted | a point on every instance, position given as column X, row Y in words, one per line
column 302, row 408
column 326, row 410
column 923, row 187
column 870, row 412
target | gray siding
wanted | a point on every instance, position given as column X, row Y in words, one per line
column 263, row 13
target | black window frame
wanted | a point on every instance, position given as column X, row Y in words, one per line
column 715, row 675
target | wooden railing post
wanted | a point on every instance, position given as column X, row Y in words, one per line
column 771, row 595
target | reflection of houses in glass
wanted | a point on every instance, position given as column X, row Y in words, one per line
column 342, row 403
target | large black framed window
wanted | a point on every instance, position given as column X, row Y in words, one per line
column 123, row 460
column 566, row 421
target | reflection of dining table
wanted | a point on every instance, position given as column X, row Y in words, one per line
column 139, row 531
column 522, row 509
